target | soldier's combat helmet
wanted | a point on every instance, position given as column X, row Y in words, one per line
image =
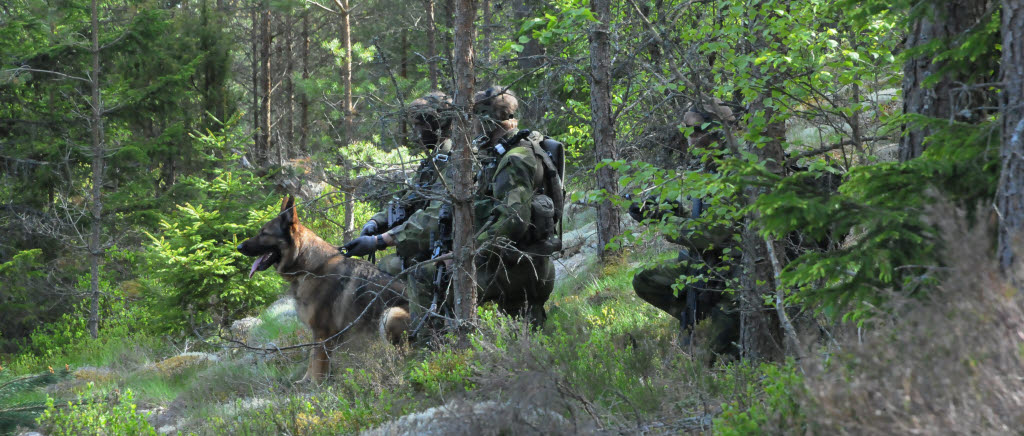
column 432, row 116
column 714, row 111
column 433, row 111
column 496, row 102
column 705, row 122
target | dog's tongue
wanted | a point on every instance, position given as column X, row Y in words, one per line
column 256, row 264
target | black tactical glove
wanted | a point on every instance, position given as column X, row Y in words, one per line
column 363, row 246
column 369, row 229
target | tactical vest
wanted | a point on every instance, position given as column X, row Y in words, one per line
column 427, row 179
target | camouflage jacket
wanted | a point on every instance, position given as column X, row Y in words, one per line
column 678, row 213
column 426, row 183
column 506, row 184
column 414, row 236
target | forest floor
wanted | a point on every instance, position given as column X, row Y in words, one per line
column 604, row 362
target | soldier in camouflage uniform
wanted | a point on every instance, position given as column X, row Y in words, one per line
column 702, row 249
column 514, row 268
column 412, row 217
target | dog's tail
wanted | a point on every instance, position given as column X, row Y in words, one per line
column 394, row 325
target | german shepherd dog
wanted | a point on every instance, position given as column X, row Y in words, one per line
column 334, row 295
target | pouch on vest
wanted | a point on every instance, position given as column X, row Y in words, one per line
column 543, row 240
column 542, row 217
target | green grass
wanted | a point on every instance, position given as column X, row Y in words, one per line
column 602, row 347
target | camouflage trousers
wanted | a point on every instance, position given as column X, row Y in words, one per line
column 419, row 283
column 657, row 287
column 519, row 286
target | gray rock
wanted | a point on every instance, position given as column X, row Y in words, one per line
column 484, row 418
column 283, row 308
column 240, row 329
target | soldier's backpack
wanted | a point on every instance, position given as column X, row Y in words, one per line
column 549, row 199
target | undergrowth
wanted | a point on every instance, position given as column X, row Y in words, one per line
column 604, row 362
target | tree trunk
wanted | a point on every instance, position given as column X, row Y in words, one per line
column 793, row 347
column 263, row 144
column 98, row 152
column 760, row 336
column 529, row 60
column 945, row 20
column 602, row 123
column 257, row 137
column 449, row 45
column 289, row 89
column 464, row 275
column 304, row 99
column 530, row 57
column 431, row 44
column 1010, row 196
column 403, row 72
column 214, row 92
column 485, row 42
column 346, row 77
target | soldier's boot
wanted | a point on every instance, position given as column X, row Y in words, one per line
column 537, row 315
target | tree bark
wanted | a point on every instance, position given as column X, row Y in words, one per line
column 793, row 347
column 263, row 143
column 464, row 275
column 304, row 99
column 289, row 89
column 1010, row 195
column 257, row 137
column 431, row 44
column 485, row 42
column 602, row 123
column 449, row 45
column 98, row 151
column 946, row 19
column 346, row 77
column 760, row 336
column 530, row 57
column 403, row 72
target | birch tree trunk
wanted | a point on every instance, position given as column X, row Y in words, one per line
column 608, row 224
column 464, row 275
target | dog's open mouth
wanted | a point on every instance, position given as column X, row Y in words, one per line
column 265, row 261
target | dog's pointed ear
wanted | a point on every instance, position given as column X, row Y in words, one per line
column 289, row 216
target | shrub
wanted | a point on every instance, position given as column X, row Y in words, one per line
column 949, row 363
column 767, row 399
column 20, row 397
column 197, row 277
column 95, row 414
column 443, row 371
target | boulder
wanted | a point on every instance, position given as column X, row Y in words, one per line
column 483, row 418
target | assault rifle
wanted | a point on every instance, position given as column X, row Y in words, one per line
column 688, row 318
column 441, row 242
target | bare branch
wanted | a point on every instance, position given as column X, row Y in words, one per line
column 55, row 73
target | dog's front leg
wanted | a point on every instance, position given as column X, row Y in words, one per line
column 309, row 367
column 320, row 363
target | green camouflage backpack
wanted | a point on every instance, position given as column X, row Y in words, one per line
column 545, row 234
